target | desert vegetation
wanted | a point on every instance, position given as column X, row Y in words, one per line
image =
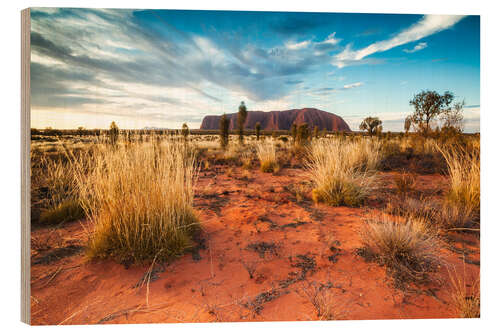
column 285, row 214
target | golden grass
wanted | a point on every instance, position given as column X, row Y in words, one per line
column 67, row 211
column 343, row 172
column 465, row 297
column 140, row 200
column 404, row 182
column 407, row 247
column 464, row 170
column 266, row 153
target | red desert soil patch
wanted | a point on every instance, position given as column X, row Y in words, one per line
column 252, row 223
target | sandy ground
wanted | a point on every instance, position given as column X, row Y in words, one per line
column 251, row 222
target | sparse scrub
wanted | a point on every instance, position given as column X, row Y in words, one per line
column 266, row 152
column 407, row 247
column 140, row 201
column 343, row 172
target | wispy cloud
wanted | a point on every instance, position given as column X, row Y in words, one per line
column 418, row 47
column 428, row 25
column 352, row 85
column 298, row 46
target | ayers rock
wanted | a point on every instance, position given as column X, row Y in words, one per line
column 282, row 120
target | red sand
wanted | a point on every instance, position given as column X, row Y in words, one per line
column 72, row 290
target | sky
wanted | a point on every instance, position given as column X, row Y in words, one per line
column 163, row 68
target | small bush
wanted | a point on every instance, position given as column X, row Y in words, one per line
column 65, row 212
column 407, row 248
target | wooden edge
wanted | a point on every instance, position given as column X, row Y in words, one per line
column 25, row 165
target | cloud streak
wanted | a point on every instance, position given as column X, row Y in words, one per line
column 428, row 25
column 418, row 47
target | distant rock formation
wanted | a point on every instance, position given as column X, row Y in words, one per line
column 282, row 120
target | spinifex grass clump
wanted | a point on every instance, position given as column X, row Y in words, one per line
column 56, row 176
column 140, row 200
column 266, row 152
column 407, row 247
column 343, row 172
column 464, row 170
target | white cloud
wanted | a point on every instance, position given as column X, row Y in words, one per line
column 353, row 85
column 418, row 47
column 298, row 46
column 428, row 25
column 331, row 39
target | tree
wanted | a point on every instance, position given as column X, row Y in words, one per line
column 242, row 117
column 407, row 125
column 293, row 131
column 303, row 133
column 185, row 131
column 453, row 118
column 257, row 130
column 428, row 106
column 316, row 132
column 224, row 131
column 80, row 130
column 114, row 131
column 371, row 124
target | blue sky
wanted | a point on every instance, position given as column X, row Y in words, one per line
column 163, row 68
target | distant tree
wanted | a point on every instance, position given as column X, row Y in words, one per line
column 323, row 133
column 114, row 131
column 293, row 131
column 185, row 131
column 453, row 118
column 408, row 123
column 242, row 117
column 428, row 106
column 257, row 130
column 224, row 131
column 371, row 124
column 303, row 133
column 316, row 132
column 80, row 130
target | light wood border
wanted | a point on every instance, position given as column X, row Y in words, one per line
column 25, row 165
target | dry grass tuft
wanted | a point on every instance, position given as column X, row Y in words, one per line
column 266, row 152
column 140, row 200
column 465, row 297
column 408, row 249
column 67, row 211
column 343, row 172
column 464, row 170
column 321, row 297
column 404, row 182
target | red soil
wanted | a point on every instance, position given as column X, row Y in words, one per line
column 235, row 213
